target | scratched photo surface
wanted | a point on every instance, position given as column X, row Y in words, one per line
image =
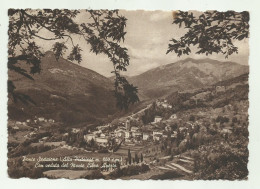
column 117, row 94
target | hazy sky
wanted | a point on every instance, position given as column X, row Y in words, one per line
column 147, row 39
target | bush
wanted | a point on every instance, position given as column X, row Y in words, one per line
column 222, row 119
column 129, row 171
column 192, row 118
column 225, row 161
column 25, row 150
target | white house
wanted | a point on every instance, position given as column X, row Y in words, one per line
column 166, row 105
column 16, row 128
column 51, row 121
column 227, row 130
column 89, row 137
column 157, row 135
column 136, row 134
column 157, row 132
column 164, row 136
column 134, row 129
column 174, row 135
column 41, row 119
column 157, row 119
column 146, row 136
column 128, row 134
column 102, row 141
column 102, row 127
column 182, row 129
column 97, row 132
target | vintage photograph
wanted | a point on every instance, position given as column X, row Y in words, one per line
column 120, row 94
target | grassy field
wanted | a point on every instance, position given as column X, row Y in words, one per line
column 69, row 174
column 62, row 152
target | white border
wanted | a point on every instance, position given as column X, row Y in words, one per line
column 202, row 5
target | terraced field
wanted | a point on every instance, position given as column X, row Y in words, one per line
column 182, row 164
column 172, row 170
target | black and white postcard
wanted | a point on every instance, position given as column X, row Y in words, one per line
column 129, row 94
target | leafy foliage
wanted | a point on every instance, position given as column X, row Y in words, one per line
column 211, row 32
column 59, row 49
column 129, row 171
column 103, row 30
column 225, row 161
column 125, row 93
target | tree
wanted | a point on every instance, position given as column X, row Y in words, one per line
column 103, row 30
column 141, row 158
column 192, row 118
column 92, row 143
column 136, row 158
column 211, row 32
column 129, row 157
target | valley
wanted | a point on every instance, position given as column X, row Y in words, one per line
column 195, row 127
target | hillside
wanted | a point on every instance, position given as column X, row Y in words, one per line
column 65, row 92
column 185, row 74
column 217, row 95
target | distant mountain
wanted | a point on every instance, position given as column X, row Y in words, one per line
column 185, row 74
column 64, row 91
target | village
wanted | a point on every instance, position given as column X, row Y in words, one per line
column 122, row 131
column 184, row 127
column 162, row 136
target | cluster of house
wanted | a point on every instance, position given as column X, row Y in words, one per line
column 17, row 125
column 42, row 119
column 156, row 131
column 100, row 138
column 208, row 119
column 219, row 89
column 163, row 103
column 128, row 133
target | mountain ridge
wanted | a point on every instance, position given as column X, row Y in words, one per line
column 184, row 74
column 65, row 92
